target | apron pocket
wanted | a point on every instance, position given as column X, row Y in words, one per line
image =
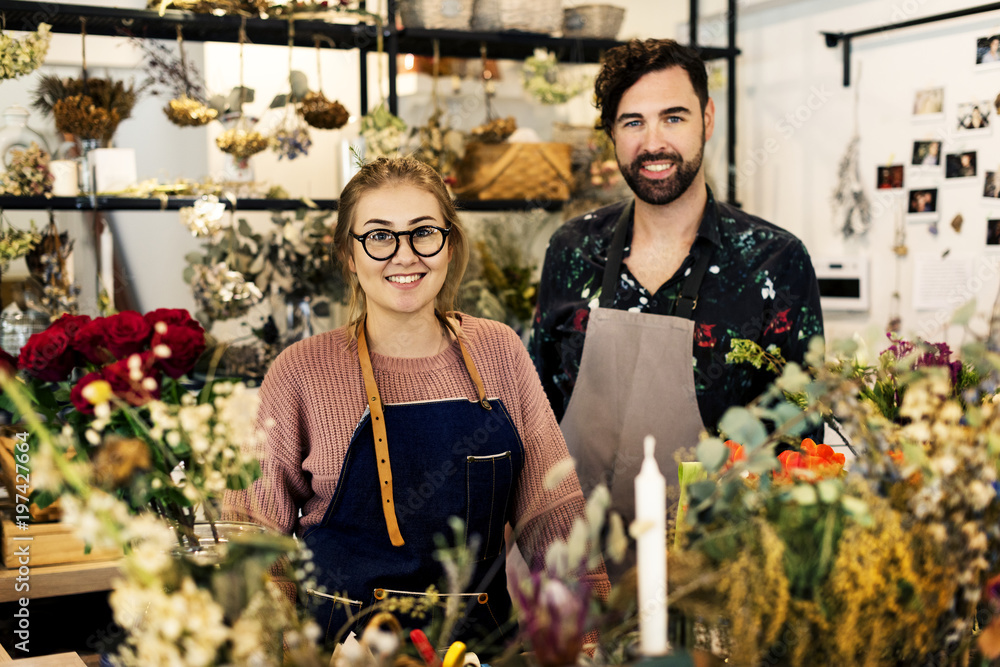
column 332, row 612
column 488, row 480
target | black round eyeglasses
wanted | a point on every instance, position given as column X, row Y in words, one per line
column 383, row 244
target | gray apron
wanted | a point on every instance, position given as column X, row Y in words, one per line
column 636, row 379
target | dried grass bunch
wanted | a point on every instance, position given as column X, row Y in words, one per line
column 93, row 106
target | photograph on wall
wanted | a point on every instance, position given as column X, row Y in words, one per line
column 890, row 177
column 960, row 165
column 993, row 232
column 991, row 187
column 974, row 117
column 922, row 205
column 988, row 51
column 926, row 153
column 928, row 104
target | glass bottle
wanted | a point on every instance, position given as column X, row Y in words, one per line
column 15, row 134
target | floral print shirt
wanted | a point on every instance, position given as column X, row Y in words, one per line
column 760, row 285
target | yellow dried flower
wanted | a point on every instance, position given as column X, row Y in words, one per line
column 187, row 112
column 241, row 143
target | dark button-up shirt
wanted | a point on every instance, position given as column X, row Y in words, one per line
column 760, row 285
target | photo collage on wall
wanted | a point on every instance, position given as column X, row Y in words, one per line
column 947, row 157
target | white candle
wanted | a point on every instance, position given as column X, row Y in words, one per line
column 64, row 178
column 651, row 552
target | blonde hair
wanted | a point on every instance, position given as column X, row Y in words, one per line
column 384, row 172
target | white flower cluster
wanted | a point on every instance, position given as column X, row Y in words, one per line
column 23, row 56
column 205, row 217
column 223, row 293
column 220, row 435
column 183, row 627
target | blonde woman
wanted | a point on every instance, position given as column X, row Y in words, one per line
column 386, row 428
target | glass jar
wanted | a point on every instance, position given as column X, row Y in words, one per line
column 17, row 326
column 15, row 134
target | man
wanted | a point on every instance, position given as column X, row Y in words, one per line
column 638, row 303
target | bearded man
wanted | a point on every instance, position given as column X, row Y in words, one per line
column 639, row 301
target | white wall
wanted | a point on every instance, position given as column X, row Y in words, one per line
column 796, row 119
column 794, row 122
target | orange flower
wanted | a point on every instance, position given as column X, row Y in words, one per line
column 813, row 463
column 736, row 453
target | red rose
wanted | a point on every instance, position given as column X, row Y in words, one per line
column 172, row 316
column 8, row 364
column 76, row 394
column 130, row 378
column 127, row 332
column 47, row 355
column 90, row 342
column 70, row 323
column 183, row 347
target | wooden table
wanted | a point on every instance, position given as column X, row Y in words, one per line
column 54, row 580
column 55, row 660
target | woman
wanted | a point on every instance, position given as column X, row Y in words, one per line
column 387, row 427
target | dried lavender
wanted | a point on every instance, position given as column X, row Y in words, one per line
column 168, row 72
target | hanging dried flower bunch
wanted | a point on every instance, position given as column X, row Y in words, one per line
column 241, row 143
column 494, row 131
column 77, row 114
column 182, row 79
column 321, row 113
column 54, row 291
column 15, row 243
column 438, row 145
column 188, row 112
column 24, row 55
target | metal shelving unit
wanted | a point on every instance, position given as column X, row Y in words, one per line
column 360, row 36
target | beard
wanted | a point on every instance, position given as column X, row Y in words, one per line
column 660, row 192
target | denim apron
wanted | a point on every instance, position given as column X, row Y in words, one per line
column 635, row 379
column 406, row 472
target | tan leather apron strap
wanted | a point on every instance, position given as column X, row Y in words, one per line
column 378, row 421
column 381, row 440
column 469, row 364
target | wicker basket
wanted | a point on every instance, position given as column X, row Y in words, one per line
column 541, row 16
column 579, row 138
column 515, row 171
column 436, row 14
column 593, row 21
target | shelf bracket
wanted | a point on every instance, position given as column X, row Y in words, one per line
column 835, row 38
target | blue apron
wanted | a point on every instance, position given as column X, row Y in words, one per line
column 453, row 457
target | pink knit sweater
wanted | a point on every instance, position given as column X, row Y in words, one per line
column 313, row 398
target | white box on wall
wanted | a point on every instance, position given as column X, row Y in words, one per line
column 114, row 168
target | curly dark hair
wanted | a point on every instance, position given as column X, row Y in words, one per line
column 623, row 65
